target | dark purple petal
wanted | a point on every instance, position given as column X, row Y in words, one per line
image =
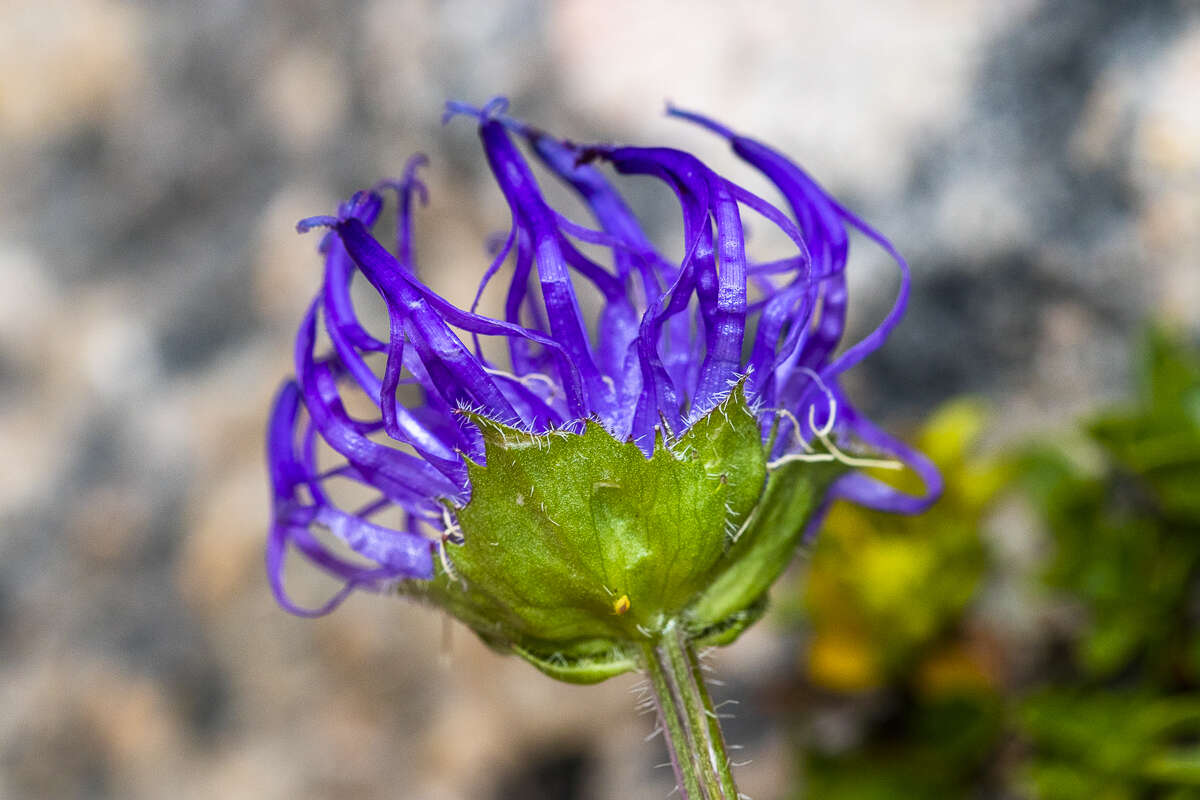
column 407, row 188
column 726, row 322
column 497, row 262
column 404, row 477
column 874, row 340
column 457, row 374
column 864, row 490
column 552, row 253
column 606, row 205
column 429, row 313
column 401, row 554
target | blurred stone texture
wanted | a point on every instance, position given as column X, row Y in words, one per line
column 1039, row 163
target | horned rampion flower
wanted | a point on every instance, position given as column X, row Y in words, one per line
column 644, row 451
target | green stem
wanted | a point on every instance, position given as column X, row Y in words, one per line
column 689, row 722
column 673, row 728
column 716, row 738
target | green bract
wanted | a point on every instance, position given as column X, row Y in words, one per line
column 577, row 549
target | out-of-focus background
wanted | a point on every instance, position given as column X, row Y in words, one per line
column 1038, row 161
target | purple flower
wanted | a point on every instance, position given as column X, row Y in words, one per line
column 671, row 336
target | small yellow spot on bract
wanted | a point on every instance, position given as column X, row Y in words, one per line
column 621, row 605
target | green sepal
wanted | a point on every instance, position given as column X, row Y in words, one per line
column 588, row 661
column 577, row 548
column 765, row 546
column 725, row 631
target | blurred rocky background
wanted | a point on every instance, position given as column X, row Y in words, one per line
column 1038, row 161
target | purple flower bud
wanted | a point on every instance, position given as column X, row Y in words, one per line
column 669, row 340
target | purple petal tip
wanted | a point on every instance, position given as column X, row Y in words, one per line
column 322, row 221
column 701, row 120
column 492, row 109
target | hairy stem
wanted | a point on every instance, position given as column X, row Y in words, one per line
column 674, row 728
column 689, row 723
column 715, row 737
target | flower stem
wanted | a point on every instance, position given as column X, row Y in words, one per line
column 716, row 738
column 689, row 722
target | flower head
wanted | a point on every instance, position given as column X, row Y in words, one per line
column 677, row 340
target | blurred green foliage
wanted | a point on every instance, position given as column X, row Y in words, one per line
column 1103, row 700
column 1104, row 744
column 1127, row 534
